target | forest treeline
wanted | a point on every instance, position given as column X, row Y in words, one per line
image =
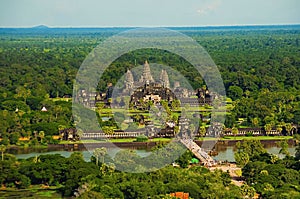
column 265, row 174
column 75, row 177
column 259, row 68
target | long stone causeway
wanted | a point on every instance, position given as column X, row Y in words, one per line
column 198, row 152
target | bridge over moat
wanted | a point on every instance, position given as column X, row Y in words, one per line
column 198, row 152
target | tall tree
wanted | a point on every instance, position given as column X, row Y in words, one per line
column 251, row 147
column 100, row 152
column 241, row 158
column 42, row 136
column 234, row 131
column 57, row 110
column 284, row 147
column 202, row 131
column 279, row 129
column 235, row 92
column 2, row 149
column 255, row 122
column 288, row 127
column 268, row 128
column 297, row 154
column 22, row 92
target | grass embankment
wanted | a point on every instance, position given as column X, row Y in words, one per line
column 25, row 146
column 237, row 138
column 257, row 137
column 115, row 140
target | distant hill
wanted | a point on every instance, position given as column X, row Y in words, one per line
column 40, row 27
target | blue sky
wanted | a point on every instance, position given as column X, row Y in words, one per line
column 99, row 13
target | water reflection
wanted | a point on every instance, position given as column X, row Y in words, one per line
column 223, row 151
column 228, row 153
column 86, row 154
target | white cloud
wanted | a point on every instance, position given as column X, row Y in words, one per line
column 209, row 6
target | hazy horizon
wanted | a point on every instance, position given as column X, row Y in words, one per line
column 147, row 13
column 183, row 26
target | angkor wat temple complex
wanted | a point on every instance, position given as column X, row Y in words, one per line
column 145, row 88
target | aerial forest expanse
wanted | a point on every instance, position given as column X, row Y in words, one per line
column 259, row 65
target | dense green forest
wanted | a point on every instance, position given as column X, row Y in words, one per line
column 264, row 174
column 269, row 175
column 259, row 66
column 75, row 176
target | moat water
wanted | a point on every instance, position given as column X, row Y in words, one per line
column 221, row 152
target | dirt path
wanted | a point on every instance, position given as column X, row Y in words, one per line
column 233, row 170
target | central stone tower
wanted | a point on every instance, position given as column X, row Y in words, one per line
column 146, row 76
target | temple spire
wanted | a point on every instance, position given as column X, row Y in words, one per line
column 164, row 79
column 129, row 81
column 146, row 76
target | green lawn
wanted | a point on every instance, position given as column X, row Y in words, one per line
column 133, row 139
column 206, row 138
column 115, row 140
column 160, row 139
column 169, row 139
column 61, row 99
column 80, row 141
column 123, row 140
column 23, row 144
column 257, row 137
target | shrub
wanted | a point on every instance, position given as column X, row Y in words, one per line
column 142, row 138
column 249, row 134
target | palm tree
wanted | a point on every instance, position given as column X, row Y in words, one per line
column 223, row 129
column 97, row 153
column 176, row 130
column 100, row 107
column 42, row 135
column 57, row 110
column 279, row 129
column 288, row 127
column 111, row 168
column 36, row 159
column 247, row 93
column 274, row 158
column 268, row 128
column 284, row 148
column 234, row 131
column 297, row 154
column 192, row 128
column 100, row 152
column 255, row 122
column 23, row 92
column 175, row 104
column 202, row 131
column 247, row 191
column 2, row 149
column 108, row 130
column 80, row 132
